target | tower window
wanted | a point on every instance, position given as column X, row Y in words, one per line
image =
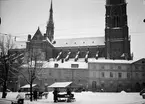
column 116, row 21
column 56, row 65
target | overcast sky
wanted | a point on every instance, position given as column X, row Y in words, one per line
column 72, row 18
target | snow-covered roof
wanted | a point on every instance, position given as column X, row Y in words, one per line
column 32, row 64
column 91, row 41
column 19, row 44
column 102, row 60
column 65, row 64
column 28, row 86
column 60, row 84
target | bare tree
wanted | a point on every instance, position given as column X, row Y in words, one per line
column 6, row 61
column 31, row 69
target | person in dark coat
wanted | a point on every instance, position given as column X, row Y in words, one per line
column 68, row 91
column 35, row 95
column 70, row 95
column 55, row 93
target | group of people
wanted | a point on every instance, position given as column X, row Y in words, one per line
column 56, row 94
column 21, row 96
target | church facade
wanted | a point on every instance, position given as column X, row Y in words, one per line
column 115, row 44
column 96, row 62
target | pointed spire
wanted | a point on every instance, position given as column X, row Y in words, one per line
column 51, row 10
column 38, row 28
column 51, row 13
column 50, row 25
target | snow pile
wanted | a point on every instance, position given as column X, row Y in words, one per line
column 122, row 92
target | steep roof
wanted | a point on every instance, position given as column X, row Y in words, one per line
column 73, row 42
column 38, row 35
column 140, row 61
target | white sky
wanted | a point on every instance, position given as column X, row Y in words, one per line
column 72, row 18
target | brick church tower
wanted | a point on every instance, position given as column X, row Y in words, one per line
column 117, row 42
column 50, row 26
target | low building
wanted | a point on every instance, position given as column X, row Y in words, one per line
column 109, row 75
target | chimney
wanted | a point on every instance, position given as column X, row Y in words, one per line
column 29, row 37
column 45, row 36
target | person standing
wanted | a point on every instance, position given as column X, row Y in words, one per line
column 20, row 97
column 35, row 95
column 55, row 93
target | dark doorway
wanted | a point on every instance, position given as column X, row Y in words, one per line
column 137, row 87
column 94, row 87
column 143, row 85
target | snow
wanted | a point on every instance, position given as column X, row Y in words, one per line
column 28, row 86
column 90, row 97
column 66, row 64
column 60, row 84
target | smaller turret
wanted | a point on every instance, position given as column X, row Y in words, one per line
column 29, row 38
column 45, row 36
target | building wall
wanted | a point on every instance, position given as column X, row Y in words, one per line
column 47, row 76
column 115, row 77
column 138, row 75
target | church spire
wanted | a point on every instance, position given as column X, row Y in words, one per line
column 50, row 25
column 51, row 10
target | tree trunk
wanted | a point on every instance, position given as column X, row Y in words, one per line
column 4, row 94
column 31, row 95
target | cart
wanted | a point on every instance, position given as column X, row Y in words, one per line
column 63, row 97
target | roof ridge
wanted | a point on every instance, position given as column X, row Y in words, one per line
column 79, row 38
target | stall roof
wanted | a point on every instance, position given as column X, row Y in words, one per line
column 60, row 84
column 28, row 86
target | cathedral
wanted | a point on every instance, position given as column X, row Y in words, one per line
column 96, row 63
column 115, row 44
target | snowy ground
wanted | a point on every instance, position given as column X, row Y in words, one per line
column 88, row 97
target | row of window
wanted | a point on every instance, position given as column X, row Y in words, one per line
column 112, row 75
column 109, row 67
column 119, row 67
column 102, row 67
column 119, row 75
column 72, row 65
